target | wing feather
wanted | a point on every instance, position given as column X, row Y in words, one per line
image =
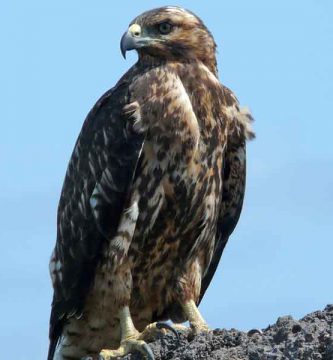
column 233, row 180
column 95, row 189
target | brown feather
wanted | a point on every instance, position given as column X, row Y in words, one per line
column 152, row 192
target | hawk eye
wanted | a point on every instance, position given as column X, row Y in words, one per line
column 164, row 28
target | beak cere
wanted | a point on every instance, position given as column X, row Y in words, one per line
column 135, row 30
column 130, row 40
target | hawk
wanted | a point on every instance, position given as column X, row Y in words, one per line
column 153, row 190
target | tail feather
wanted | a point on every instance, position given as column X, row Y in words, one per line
column 56, row 327
column 52, row 348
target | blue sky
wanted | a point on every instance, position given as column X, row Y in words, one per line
column 58, row 57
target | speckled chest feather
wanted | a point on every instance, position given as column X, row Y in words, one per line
column 179, row 186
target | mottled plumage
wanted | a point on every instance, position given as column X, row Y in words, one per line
column 153, row 190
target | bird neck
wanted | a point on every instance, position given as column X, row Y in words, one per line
column 146, row 60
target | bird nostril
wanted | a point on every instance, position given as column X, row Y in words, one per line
column 136, row 33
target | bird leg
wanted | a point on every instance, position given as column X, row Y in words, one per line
column 132, row 339
column 197, row 322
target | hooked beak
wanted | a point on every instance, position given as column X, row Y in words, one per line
column 132, row 39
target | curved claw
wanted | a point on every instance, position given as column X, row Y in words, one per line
column 161, row 325
column 254, row 331
column 147, row 351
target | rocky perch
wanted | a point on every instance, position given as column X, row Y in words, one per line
column 310, row 338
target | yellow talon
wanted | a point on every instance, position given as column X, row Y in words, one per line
column 132, row 340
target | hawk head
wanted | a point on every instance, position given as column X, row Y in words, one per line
column 170, row 33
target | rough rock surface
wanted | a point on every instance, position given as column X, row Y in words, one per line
column 310, row 338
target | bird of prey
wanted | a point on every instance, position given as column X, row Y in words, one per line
column 153, row 190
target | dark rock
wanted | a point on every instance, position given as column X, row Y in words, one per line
column 310, row 338
column 296, row 328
